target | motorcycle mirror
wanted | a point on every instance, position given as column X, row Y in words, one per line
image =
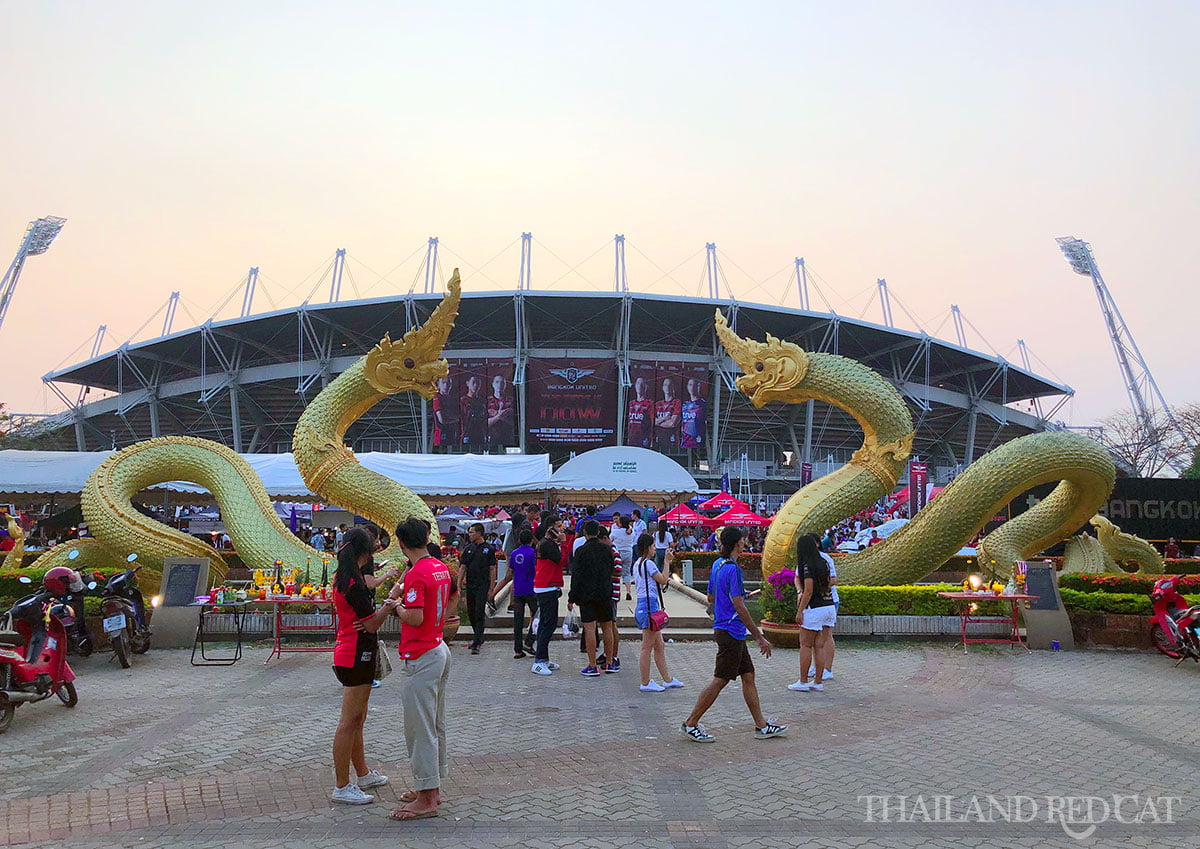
column 74, row 554
column 131, row 558
column 24, row 579
column 92, row 585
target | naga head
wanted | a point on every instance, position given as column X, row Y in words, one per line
column 414, row 362
column 772, row 368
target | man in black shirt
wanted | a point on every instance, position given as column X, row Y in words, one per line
column 477, row 577
column 591, row 589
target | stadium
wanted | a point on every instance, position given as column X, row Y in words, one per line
column 552, row 372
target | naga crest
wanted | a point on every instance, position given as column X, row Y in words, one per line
column 772, row 368
column 414, row 361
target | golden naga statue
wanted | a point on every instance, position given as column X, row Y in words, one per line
column 329, row 469
column 780, row 371
column 16, row 554
column 1115, row 549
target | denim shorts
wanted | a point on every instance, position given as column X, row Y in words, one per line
column 642, row 614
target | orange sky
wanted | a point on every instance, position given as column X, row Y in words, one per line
column 942, row 148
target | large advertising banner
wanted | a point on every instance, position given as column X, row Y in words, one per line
column 667, row 405
column 474, row 407
column 572, row 402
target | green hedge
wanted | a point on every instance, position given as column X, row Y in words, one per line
column 907, row 601
column 1123, row 583
column 705, row 559
column 925, row 601
column 10, row 587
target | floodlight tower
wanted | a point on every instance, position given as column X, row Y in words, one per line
column 37, row 241
column 1144, row 395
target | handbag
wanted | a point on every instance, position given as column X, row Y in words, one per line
column 659, row 618
column 383, row 664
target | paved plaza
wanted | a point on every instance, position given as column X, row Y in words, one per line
column 165, row 754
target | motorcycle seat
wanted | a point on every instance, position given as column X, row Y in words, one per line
column 11, row 638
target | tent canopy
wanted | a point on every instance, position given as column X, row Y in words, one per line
column 441, row 476
column 743, row 517
column 723, row 501
column 623, row 505
column 599, row 475
column 682, row 515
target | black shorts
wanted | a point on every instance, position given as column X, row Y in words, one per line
column 363, row 671
column 733, row 656
column 592, row 610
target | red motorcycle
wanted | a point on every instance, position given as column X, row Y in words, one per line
column 33, row 653
column 1175, row 625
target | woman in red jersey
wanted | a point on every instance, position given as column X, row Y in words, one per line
column 354, row 666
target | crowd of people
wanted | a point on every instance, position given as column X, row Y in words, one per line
column 603, row 563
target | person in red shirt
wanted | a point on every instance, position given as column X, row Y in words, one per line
column 1171, row 549
column 638, row 416
column 354, row 666
column 426, row 595
column 667, row 413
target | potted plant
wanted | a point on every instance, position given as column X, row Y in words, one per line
column 779, row 610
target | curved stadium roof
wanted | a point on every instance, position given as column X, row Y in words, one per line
column 267, row 366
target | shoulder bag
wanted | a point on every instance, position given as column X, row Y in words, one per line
column 658, row 619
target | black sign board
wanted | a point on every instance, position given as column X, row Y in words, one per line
column 1151, row 508
column 182, row 581
column 1039, row 581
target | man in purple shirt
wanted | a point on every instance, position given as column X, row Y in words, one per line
column 521, row 564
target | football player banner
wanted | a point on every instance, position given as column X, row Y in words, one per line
column 572, row 402
column 667, row 407
column 474, row 405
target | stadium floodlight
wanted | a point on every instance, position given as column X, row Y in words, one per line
column 1077, row 253
column 38, row 238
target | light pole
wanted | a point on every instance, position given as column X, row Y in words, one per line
column 38, row 237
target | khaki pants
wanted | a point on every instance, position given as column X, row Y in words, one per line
column 424, row 701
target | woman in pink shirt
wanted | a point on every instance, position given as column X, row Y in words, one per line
column 354, row 665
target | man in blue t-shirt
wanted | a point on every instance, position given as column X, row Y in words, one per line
column 521, row 564
column 731, row 622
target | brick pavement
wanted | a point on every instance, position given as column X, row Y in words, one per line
column 165, row 754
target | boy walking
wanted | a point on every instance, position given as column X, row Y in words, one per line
column 731, row 622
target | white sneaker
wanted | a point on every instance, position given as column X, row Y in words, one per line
column 351, row 795
column 652, row 687
column 371, row 779
column 553, row 666
column 812, row 673
column 800, row 686
column 816, row 687
column 672, row 684
column 541, row 669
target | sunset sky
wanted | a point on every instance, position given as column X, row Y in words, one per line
column 942, row 146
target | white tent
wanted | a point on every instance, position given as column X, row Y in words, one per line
column 599, row 475
column 437, row 477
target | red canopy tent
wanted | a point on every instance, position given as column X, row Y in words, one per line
column 683, row 515
column 741, row 516
column 721, row 501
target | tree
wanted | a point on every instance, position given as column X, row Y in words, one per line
column 1149, row 454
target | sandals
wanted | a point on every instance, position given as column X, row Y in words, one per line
column 404, row 815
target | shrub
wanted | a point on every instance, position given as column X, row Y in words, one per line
column 705, row 559
column 778, row 598
column 1106, row 602
column 1123, row 583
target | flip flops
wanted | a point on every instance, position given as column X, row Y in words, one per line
column 404, row 815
